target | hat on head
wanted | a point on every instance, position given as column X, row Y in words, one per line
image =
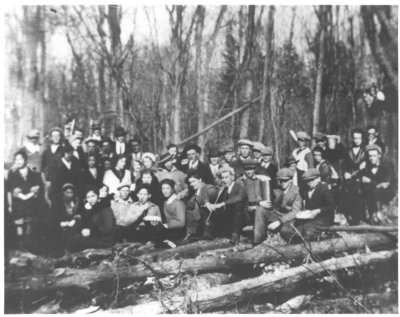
column 320, row 137
column 68, row 148
column 301, row 135
column 192, row 147
column 258, row 146
column 68, row 186
column 267, row 150
column 225, row 169
column 55, row 129
column 34, row 133
column 250, row 164
column 119, row 131
column 123, row 185
column 311, row 174
column 213, row 153
column 226, row 149
column 245, row 142
column 150, row 155
column 372, row 147
column 106, row 139
column 165, row 158
column 291, row 160
column 76, row 137
column 92, row 140
column 96, row 126
column 285, row 173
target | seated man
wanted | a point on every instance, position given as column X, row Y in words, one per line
column 175, row 217
column 286, row 204
column 197, row 213
column 255, row 189
column 227, row 215
column 319, row 213
column 378, row 181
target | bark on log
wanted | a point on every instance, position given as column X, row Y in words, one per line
column 363, row 228
column 228, row 295
column 85, row 278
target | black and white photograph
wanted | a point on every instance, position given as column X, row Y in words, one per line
column 200, row 158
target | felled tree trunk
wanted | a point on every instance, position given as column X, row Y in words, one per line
column 85, row 278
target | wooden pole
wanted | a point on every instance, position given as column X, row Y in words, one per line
column 246, row 105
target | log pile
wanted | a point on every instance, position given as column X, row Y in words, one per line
column 201, row 276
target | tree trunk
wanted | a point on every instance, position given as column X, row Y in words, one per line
column 269, row 33
column 320, row 70
column 85, row 278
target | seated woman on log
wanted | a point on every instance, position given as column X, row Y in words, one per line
column 68, row 217
column 175, row 213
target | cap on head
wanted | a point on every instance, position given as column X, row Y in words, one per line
column 303, row 136
column 34, row 133
column 291, row 160
column 119, row 131
column 213, row 153
column 242, row 142
column 225, row 169
column 68, row 186
column 150, row 155
column 165, row 158
column 258, row 146
column 285, row 173
column 124, row 185
column 193, row 147
column 311, row 174
column 267, row 150
column 373, row 147
column 226, row 149
column 250, row 164
column 319, row 137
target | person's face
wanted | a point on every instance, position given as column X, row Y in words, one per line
column 55, row 137
column 103, row 192
column 146, row 178
column 166, row 190
column 106, row 147
column 68, row 156
column 143, row 196
column 317, row 156
column 214, row 160
column 173, row 150
column 97, row 132
column 67, row 132
column 135, row 147
column 228, row 156
column 256, row 154
column 124, row 193
column 371, row 134
column 266, row 158
column 168, row 165
column 121, row 138
column 147, row 162
column 121, row 163
column 91, row 147
column 226, row 178
column 293, row 167
column 92, row 198
column 68, row 194
column 357, row 139
column 192, row 155
column 313, row 183
column 321, row 143
column 107, row 165
column 194, row 182
column 19, row 161
column 75, row 143
column 137, row 166
column 284, row 182
column 34, row 140
column 302, row 143
column 373, row 157
column 245, row 151
column 91, row 161
column 250, row 173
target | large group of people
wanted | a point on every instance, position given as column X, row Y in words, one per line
column 73, row 193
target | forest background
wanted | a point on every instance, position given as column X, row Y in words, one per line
column 167, row 72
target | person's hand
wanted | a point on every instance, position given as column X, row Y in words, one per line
column 266, row 204
column 263, row 178
column 85, row 232
column 165, row 225
column 184, row 162
column 347, row 175
column 209, row 206
column 274, row 225
column 252, row 207
column 71, row 223
column 88, row 206
column 363, row 165
column 35, row 189
column 383, row 185
column 63, row 224
column 366, row 179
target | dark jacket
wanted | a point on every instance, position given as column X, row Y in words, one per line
column 63, row 175
column 270, row 171
column 101, row 222
column 288, row 203
column 384, row 174
column 88, row 179
column 321, row 199
column 236, row 199
column 207, row 193
column 50, row 161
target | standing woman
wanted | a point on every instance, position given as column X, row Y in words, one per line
column 92, row 173
column 136, row 170
column 29, row 209
column 117, row 175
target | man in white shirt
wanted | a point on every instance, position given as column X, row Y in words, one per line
column 121, row 147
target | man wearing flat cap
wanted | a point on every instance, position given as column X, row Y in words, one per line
column 266, row 167
column 256, row 151
column 302, row 153
column 214, row 163
column 33, row 150
column 318, row 214
column 228, row 212
column 287, row 202
column 120, row 146
column 245, row 146
column 106, row 150
column 228, row 155
column 379, row 182
column 194, row 164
